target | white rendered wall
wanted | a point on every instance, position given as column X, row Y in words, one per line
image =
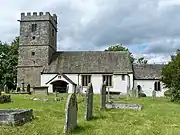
column 47, row 77
column 147, row 87
column 119, row 85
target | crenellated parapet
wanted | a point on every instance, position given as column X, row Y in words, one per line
column 41, row 16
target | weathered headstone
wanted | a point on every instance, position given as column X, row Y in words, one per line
column 89, row 103
column 23, row 86
column 18, row 89
column 28, row 88
column 103, row 96
column 137, row 93
column 153, row 94
column 78, row 88
column 71, row 113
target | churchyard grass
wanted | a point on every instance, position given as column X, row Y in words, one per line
column 158, row 117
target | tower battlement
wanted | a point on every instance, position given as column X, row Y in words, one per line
column 41, row 16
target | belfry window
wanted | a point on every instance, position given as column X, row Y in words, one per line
column 34, row 27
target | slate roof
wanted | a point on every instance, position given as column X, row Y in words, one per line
column 90, row 62
column 147, row 71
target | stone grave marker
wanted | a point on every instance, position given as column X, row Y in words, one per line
column 137, row 93
column 103, row 96
column 28, row 88
column 153, row 94
column 71, row 113
column 89, row 103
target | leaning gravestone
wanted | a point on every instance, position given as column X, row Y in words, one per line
column 71, row 113
column 89, row 103
column 103, row 96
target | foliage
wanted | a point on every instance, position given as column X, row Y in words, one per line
column 167, row 93
column 5, row 99
column 8, row 63
column 158, row 117
column 171, row 76
column 120, row 48
column 141, row 60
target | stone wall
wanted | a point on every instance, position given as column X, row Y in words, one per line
column 35, row 47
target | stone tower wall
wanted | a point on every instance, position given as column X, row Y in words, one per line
column 36, row 47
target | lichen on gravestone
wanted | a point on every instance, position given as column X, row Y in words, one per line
column 71, row 113
column 89, row 103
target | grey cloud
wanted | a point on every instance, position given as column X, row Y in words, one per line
column 120, row 21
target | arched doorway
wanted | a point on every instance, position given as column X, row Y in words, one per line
column 139, row 88
column 60, row 86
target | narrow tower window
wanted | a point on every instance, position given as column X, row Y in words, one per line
column 32, row 53
column 53, row 32
column 34, row 27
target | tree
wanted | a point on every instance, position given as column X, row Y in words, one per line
column 141, row 60
column 120, row 48
column 171, row 76
column 8, row 63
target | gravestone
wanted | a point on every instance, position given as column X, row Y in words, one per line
column 153, row 94
column 71, row 113
column 89, row 103
column 137, row 93
column 18, row 89
column 78, row 88
column 23, row 86
column 103, row 96
column 28, row 88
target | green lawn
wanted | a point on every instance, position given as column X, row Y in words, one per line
column 158, row 117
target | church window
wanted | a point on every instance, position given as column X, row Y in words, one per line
column 32, row 53
column 157, row 86
column 33, row 37
column 34, row 27
column 86, row 79
column 108, row 79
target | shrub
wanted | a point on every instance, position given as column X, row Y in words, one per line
column 5, row 98
column 167, row 93
column 142, row 94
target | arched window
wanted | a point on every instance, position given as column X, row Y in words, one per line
column 139, row 88
column 157, row 86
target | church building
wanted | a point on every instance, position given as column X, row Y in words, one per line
column 42, row 66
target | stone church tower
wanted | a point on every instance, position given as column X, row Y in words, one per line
column 37, row 43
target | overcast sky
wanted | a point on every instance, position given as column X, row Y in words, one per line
column 149, row 28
